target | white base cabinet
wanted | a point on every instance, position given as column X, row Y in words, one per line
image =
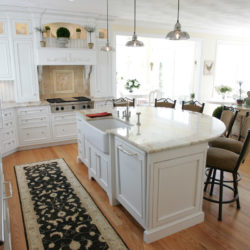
column 64, row 126
column 33, row 125
column 163, row 191
column 5, row 235
column 98, row 166
column 130, row 179
column 26, row 127
column 8, row 134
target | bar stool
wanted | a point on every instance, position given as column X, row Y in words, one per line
column 165, row 102
column 226, row 161
column 194, row 106
column 122, row 102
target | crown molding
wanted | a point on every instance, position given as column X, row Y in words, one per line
column 190, row 28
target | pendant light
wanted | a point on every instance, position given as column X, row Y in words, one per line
column 177, row 34
column 134, row 42
column 107, row 47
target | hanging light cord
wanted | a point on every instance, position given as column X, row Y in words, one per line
column 178, row 10
column 107, row 21
column 134, row 17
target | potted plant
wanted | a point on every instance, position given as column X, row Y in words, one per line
column 192, row 96
column 78, row 33
column 217, row 112
column 240, row 101
column 47, row 29
column 132, row 84
column 222, row 90
column 90, row 29
column 42, row 42
column 63, row 35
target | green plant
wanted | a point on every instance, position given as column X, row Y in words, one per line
column 223, row 89
column 131, row 84
column 63, row 32
column 38, row 29
column 47, row 28
column 78, row 30
column 217, row 112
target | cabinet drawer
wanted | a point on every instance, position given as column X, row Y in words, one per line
column 8, row 134
column 65, row 130
column 64, row 118
column 9, row 145
column 34, row 134
column 22, row 121
column 8, row 124
column 8, row 114
column 33, row 111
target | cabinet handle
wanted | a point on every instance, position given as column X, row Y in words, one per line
column 10, row 190
column 126, row 152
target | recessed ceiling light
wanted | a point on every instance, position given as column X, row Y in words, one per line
column 71, row 0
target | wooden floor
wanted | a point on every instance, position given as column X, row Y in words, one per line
column 232, row 233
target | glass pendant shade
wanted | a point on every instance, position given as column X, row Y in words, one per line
column 134, row 42
column 107, row 47
column 177, row 34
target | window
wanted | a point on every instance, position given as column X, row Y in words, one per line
column 168, row 66
column 232, row 66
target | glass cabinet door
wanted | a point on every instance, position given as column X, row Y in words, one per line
column 22, row 29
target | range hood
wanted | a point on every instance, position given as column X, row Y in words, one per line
column 65, row 56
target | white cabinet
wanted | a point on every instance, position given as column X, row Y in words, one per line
column 8, row 132
column 98, row 166
column 130, row 179
column 82, row 144
column 33, row 125
column 5, row 60
column 64, row 126
column 26, row 80
column 5, row 235
column 104, row 85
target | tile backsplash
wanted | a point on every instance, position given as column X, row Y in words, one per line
column 62, row 82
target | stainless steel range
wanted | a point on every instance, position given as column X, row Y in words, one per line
column 69, row 104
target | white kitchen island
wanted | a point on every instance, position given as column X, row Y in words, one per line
column 156, row 169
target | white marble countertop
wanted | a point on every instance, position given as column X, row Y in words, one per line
column 6, row 105
column 163, row 128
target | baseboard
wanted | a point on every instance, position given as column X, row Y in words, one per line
column 44, row 145
column 174, row 227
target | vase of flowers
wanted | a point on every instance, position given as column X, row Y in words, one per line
column 223, row 90
column 240, row 101
column 90, row 29
column 132, row 84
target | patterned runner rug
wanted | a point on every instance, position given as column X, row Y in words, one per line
column 58, row 212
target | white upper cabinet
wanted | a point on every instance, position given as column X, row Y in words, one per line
column 6, row 69
column 104, row 86
column 26, row 81
column 22, row 29
column 5, row 60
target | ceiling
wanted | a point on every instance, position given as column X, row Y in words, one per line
column 229, row 15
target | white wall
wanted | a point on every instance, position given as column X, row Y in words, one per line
column 208, row 40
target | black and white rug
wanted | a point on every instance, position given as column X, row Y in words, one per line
column 58, row 212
